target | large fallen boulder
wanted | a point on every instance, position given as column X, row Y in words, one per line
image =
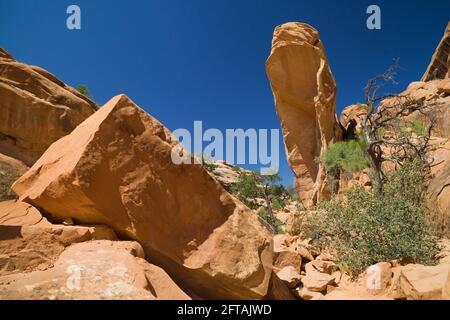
column 305, row 94
column 116, row 169
column 95, row 270
column 36, row 109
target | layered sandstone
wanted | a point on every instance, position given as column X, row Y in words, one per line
column 439, row 67
column 36, row 109
column 116, row 169
column 351, row 119
column 305, row 93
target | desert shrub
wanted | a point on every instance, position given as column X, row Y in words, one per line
column 364, row 228
column 277, row 202
column 7, row 177
column 344, row 156
column 417, row 128
column 276, row 224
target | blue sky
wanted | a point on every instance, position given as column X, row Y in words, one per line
column 204, row 59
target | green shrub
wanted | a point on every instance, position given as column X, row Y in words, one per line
column 253, row 188
column 247, row 190
column 417, row 128
column 83, row 89
column 344, row 156
column 363, row 228
column 277, row 202
column 7, row 177
column 276, row 224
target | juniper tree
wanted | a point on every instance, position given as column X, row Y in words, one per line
column 388, row 134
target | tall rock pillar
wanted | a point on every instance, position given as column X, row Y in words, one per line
column 305, row 99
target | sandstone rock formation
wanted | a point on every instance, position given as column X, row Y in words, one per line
column 305, row 92
column 278, row 290
column 225, row 173
column 378, row 277
column 317, row 281
column 36, row 109
column 10, row 170
column 321, row 279
column 290, row 276
column 436, row 94
column 28, row 241
column 95, row 270
column 17, row 213
column 116, row 169
column 418, row 282
column 439, row 67
column 351, row 118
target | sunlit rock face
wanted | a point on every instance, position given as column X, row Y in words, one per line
column 116, row 169
column 304, row 90
column 36, row 109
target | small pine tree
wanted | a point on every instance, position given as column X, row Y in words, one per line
column 252, row 186
column 83, row 89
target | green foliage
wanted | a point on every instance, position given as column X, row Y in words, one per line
column 277, row 202
column 206, row 161
column 412, row 127
column 250, row 189
column 293, row 194
column 83, row 89
column 363, row 228
column 380, row 132
column 364, row 105
column 344, row 156
column 235, row 168
column 247, row 189
column 404, row 133
column 417, row 128
column 276, row 224
column 8, row 175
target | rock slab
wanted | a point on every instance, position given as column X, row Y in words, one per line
column 116, row 169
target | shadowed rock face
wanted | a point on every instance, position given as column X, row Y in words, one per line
column 305, row 93
column 36, row 109
column 351, row 118
column 439, row 67
column 116, row 169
